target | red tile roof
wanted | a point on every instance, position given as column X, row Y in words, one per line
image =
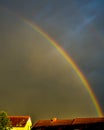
column 48, row 123
column 72, row 123
column 82, row 121
column 18, row 121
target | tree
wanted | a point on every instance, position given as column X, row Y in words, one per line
column 5, row 123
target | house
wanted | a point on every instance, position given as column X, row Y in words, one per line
column 96, row 123
column 20, row 122
column 74, row 124
column 53, row 124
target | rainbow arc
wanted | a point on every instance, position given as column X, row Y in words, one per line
column 67, row 58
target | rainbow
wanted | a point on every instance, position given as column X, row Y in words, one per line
column 70, row 61
column 67, row 58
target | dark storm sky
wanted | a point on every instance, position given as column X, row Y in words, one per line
column 77, row 26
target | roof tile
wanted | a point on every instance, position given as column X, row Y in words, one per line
column 79, row 121
column 18, row 121
column 48, row 123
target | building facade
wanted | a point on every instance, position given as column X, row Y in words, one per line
column 74, row 124
column 21, row 122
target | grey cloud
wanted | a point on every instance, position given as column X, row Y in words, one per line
column 34, row 77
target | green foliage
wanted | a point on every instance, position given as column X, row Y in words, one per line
column 5, row 123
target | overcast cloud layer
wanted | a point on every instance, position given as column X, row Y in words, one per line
column 34, row 76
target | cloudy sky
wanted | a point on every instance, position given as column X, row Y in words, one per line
column 35, row 79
